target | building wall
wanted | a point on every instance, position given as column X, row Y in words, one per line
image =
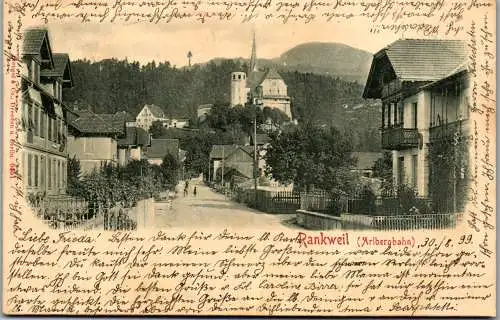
column 416, row 160
column 145, row 118
column 273, row 87
column 282, row 104
column 238, row 88
column 135, row 153
column 93, row 151
column 156, row 161
column 43, row 137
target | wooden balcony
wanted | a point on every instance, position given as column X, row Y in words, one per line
column 448, row 131
column 399, row 138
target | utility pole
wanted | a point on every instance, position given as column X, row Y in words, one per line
column 255, row 163
column 222, row 166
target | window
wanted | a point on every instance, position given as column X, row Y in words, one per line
column 42, row 172
column 414, row 170
column 49, row 134
column 43, row 119
column 414, row 113
column 30, row 172
column 36, row 121
column 30, row 69
column 36, row 172
column 401, row 170
column 58, row 131
column 59, row 174
column 49, row 173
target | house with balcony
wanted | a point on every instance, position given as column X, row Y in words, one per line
column 44, row 114
column 423, row 86
column 93, row 139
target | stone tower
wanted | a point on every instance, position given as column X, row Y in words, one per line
column 238, row 88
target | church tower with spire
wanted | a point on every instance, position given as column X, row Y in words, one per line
column 262, row 88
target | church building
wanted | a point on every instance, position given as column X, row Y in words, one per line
column 263, row 88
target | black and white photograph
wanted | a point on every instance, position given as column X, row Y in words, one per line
column 246, row 127
column 249, row 158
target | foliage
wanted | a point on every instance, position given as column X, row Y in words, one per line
column 382, row 169
column 312, row 157
column 157, row 129
column 137, row 180
column 114, row 85
column 169, row 171
column 449, row 167
column 74, row 187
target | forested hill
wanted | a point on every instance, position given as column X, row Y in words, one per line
column 114, row 85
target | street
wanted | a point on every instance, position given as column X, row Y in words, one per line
column 211, row 210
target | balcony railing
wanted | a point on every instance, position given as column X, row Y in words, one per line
column 448, row 131
column 399, row 138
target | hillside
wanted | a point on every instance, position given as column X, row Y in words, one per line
column 113, row 85
column 332, row 59
column 335, row 59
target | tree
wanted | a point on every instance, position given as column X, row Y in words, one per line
column 312, row 157
column 170, row 170
column 383, row 169
column 157, row 129
column 75, row 186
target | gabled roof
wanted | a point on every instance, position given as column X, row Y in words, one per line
column 62, row 68
column 134, row 136
column 125, row 116
column 417, row 60
column 91, row 123
column 155, row 110
column 222, row 151
column 255, row 78
column 262, row 139
column 273, row 74
column 33, row 41
column 161, row 147
column 366, row 160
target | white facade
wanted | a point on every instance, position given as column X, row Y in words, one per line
column 146, row 117
column 238, row 88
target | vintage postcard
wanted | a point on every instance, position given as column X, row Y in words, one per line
column 249, row 157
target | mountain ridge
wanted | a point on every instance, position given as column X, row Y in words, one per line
column 325, row 58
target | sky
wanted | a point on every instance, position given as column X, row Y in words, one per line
column 171, row 42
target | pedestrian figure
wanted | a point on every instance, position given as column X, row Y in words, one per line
column 194, row 191
column 185, row 191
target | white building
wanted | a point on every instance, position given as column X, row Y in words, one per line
column 423, row 86
column 149, row 114
column 263, row 88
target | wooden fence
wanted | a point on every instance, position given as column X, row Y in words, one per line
column 69, row 213
column 269, row 201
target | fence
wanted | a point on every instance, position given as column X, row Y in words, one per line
column 321, row 202
column 68, row 213
column 387, row 206
column 269, row 201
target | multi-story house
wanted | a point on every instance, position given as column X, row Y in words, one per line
column 44, row 115
column 132, row 145
column 423, row 87
column 93, row 139
column 149, row 114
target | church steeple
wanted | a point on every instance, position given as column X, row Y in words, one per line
column 253, row 58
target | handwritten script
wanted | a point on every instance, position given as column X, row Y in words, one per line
column 254, row 272
column 203, row 273
column 427, row 18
